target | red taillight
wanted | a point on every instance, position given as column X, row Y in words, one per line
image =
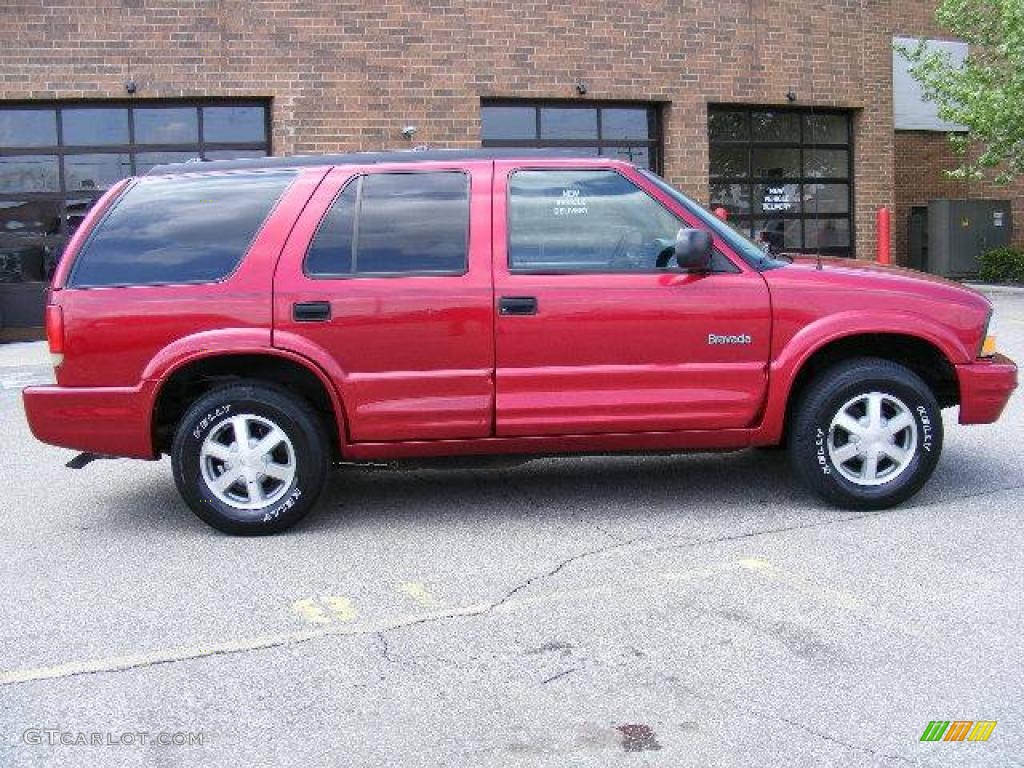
column 55, row 332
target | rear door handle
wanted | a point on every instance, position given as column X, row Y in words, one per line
column 311, row 311
column 517, row 305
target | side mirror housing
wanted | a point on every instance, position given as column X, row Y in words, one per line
column 693, row 250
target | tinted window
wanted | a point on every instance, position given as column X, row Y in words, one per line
column 233, row 154
column 91, row 172
column 178, row 230
column 146, row 161
column 27, row 127
column 826, row 129
column 508, row 122
column 29, row 173
column 234, row 124
column 586, row 221
column 629, row 133
column 405, row 222
column 95, row 126
column 568, row 123
column 166, row 125
column 772, row 170
column 775, row 126
column 331, row 250
column 625, row 123
column 29, row 217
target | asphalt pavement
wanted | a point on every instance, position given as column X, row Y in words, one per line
column 613, row 611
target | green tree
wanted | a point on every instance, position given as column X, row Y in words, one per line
column 986, row 93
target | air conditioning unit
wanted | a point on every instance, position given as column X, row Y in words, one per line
column 959, row 231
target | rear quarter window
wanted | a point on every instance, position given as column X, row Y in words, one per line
column 178, row 230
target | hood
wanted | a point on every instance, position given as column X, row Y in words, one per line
column 867, row 275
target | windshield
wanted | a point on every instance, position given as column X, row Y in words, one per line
column 745, row 248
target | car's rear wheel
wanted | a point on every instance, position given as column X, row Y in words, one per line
column 866, row 434
column 250, row 458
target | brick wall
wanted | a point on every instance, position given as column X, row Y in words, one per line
column 349, row 75
column 916, row 18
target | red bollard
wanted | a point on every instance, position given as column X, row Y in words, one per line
column 884, row 252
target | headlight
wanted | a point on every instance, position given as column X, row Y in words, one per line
column 988, row 341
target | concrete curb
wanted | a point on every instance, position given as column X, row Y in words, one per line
column 1009, row 290
column 17, row 354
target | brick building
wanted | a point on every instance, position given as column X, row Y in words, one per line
column 782, row 112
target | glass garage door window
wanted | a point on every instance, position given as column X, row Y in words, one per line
column 57, row 158
column 625, row 131
column 784, row 176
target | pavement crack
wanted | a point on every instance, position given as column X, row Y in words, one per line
column 385, row 648
column 762, row 715
column 831, row 521
column 558, row 568
column 833, row 740
column 559, row 675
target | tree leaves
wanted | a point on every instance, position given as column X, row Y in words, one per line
column 986, row 94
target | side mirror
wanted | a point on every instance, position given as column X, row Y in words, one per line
column 693, row 250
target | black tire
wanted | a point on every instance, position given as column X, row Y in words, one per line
column 814, row 444
column 305, row 456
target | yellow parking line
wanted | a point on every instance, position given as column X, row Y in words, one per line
column 418, row 592
column 325, row 609
column 258, row 642
column 335, row 615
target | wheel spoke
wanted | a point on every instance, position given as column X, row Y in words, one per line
column 282, row 472
column 224, row 481
column 848, row 423
column 218, row 451
column 875, row 409
column 241, row 428
column 846, row 452
column 269, row 442
column 896, row 453
column 870, row 469
column 899, row 422
column 255, row 490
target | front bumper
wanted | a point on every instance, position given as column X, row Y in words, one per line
column 114, row 421
column 985, row 388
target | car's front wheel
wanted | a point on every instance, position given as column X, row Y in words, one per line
column 866, row 434
column 250, row 458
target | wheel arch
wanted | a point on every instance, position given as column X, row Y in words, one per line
column 922, row 356
column 191, row 378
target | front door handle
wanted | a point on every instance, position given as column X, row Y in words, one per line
column 517, row 305
column 311, row 311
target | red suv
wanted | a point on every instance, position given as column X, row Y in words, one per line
column 261, row 320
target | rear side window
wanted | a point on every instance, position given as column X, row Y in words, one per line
column 178, row 230
column 394, row 223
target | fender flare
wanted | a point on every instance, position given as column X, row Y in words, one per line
column 791, row 359
column 245, row 341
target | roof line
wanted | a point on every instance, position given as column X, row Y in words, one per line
column 363, row 158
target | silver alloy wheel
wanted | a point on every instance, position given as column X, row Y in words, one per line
column 872, row 439
column 247, row 461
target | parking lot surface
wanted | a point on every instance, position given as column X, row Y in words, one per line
column 648, row 611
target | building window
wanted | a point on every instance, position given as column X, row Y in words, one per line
column 623, row 130
column 784, row 176
column 57, row 158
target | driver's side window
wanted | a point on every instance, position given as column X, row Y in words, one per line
column 586, row 221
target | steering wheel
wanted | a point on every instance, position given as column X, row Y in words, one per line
column 628, row 252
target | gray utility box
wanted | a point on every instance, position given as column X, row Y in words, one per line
column 961, row 230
